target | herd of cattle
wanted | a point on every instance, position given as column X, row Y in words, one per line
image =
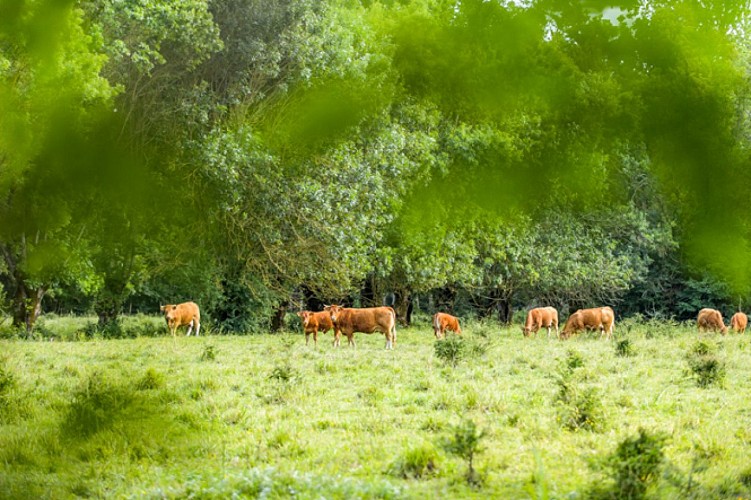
column 349, row 320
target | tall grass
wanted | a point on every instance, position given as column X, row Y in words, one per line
column 265, row 415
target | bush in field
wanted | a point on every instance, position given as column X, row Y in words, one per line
column 580, row 406
column 705, row 365
column 417, row 463
column 450, row 350
column 95, row 406
column 152, row 379
column 464, row 442
column 209, row 353
column 636, row 463
column 624, row 348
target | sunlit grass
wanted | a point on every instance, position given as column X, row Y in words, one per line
column 154, row 417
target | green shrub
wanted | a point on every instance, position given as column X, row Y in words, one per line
column 283, row 373
column 209, row 353
column 580, row 407
column 451, row 349
column 152, row 379
column 636, row 463
column 705, row 365
column 464, row 442
column 417, row 463
column 624, row 348
column 94, row 407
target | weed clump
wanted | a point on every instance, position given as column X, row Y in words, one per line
column 624, row 348
column 209, row 353
column 416, row 463
column 705, row 365
column 451, row 350
column 94, row 407
column 152, row 379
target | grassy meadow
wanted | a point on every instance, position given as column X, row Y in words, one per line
column 661, row 412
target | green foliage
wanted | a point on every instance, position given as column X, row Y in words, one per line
column 580, row 406
column 464, row 442
column 624, row 348
column 208, row 353
column 450, row 350
column 705, row 364
column 151, row 380
column 635, row 465
column 95, row 406
column 416, row 463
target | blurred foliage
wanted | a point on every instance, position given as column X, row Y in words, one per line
column 253, row 155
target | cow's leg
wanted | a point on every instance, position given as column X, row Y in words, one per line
column 307, row 337
column 198, row 327
column 315, row 338
column 351, row 339
column 190, row 328
column 548, row 330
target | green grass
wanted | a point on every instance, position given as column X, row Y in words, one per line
column 267, row 416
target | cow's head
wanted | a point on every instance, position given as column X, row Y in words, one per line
column 334, row 311
column 526, row 331
column 170, row 315
column 305, row 317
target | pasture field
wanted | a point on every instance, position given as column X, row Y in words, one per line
column 267, row 416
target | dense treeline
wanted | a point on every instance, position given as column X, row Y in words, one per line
column 260, row 156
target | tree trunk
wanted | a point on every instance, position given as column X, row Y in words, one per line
column 403, row 307
column 27, row 305
column 368, row 293
column 277, row 320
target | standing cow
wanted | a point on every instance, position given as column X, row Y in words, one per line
column 177, row 315
column 312, row 322
column 539, row 317
column 738, row 322
column 596, row 318
column 711, row 319
column 443, row 322
column 349, row 320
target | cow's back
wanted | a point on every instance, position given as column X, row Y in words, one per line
column 366, row 320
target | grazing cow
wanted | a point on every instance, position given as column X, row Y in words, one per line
column 711, row 319
column 597, row 318
column 367, row 320
column 539, row 317
column 312, row 322
column 443, row 322
column 178, row 315
column 738, row 322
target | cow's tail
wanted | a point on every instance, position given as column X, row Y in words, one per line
column 436, row 325
column 393, row 325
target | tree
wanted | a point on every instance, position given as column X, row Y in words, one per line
column 52, row 100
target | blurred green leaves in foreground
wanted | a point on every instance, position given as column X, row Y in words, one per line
column 419, row 143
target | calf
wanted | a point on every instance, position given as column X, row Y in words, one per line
column 443, row 322
column 711, row 319
column 738, row 322
column 312, row 322
column 596, row 318
column 349, row 320
column 178, row 315
column 539, row 317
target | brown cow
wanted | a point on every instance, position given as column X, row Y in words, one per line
column 443, row 322
column 314, row 321
column 711, row 319
column 738, row 322
column 178, row 315
column 539, row 317
column 367, row 320
column 596, row 318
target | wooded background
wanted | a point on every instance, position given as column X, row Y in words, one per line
column 260, row 157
